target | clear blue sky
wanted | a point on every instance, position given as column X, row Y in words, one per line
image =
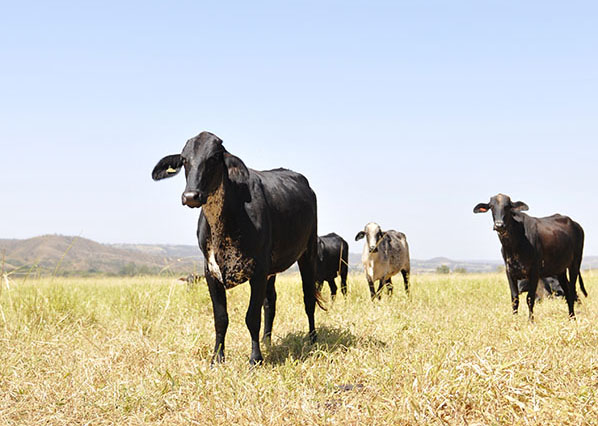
column 404, row 113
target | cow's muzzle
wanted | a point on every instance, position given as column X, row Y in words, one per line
column 499, row 226
column 373, row 249
column 193, row 199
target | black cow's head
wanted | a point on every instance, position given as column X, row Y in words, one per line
column 373, row 234
column 502, row 210
column 206, row 164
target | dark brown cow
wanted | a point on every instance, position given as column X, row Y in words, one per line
column 534, row 248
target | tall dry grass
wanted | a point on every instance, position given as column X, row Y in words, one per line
column 137, row 351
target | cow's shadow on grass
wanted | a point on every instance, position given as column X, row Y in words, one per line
column 297, row 345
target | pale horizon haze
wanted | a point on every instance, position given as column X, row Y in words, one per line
column 403, row 113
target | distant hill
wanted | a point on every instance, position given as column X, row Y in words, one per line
column 81, row 256
column 164, row 250
column 430, row 265
column 478, row 266
column 75, row 255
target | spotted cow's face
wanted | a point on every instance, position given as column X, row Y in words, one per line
column 502, row 210
column 373, row 235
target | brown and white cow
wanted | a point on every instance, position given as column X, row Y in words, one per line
column 385, row 254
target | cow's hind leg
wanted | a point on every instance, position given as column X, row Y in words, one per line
column 405, row 274
column 307, row 268
column 333, row 288
column 531, row 294
column 344, row 282
column 389, row 286
column 253, row 318
column 269, row 309
column 218, row 296
column 573, row 274
column 570, row 293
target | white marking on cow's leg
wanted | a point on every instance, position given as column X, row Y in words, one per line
column 370, row 269
column 213, row 266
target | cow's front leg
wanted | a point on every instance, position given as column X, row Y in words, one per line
column 380, row 287
column 531, row 294
column 389, row 286
column 372, row 289
column 253, row 318
column 218, row 296
column 514, row 293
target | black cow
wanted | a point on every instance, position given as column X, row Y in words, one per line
column 253, row 224
column 333, row 260
column 192, row 280
column 533, row 248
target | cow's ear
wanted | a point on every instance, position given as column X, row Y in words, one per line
column 519, row 206
column 237, row 171
column 481, row 208
column 518, row 218
column 167, row 167
column 359, row 235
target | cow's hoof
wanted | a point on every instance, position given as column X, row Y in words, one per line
column 255, row 361
column 217, row 359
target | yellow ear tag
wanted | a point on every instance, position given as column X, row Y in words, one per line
column 170, row 170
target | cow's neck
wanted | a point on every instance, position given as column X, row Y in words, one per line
column 220, row 213
column 213, row 209
column 227, row 261
column 512, row 237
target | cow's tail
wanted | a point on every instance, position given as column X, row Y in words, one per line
column 320, row 300
column 581, row 286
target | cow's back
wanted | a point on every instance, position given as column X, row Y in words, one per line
column 292, row 211
column 399, row 255
column 561, row 240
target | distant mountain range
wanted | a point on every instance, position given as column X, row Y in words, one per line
column 67, row 255
column 431, row 265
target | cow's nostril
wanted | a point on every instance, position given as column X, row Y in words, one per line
column 190, row 197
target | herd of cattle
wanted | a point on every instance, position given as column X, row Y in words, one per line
column 256, row 224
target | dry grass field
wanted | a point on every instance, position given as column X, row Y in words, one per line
column 137, row 351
